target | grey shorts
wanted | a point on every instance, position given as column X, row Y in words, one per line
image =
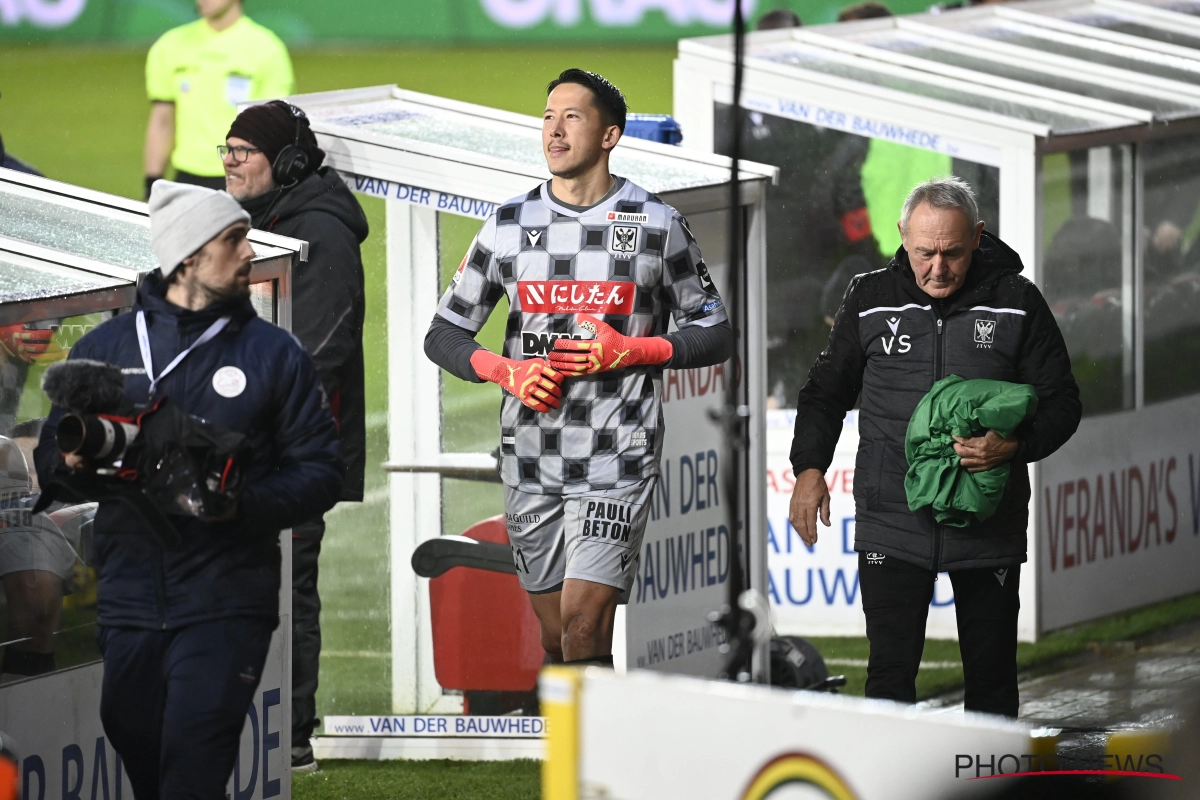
column 39, row 545
column 596, row 536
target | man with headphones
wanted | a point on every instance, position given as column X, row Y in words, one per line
column 273, row 169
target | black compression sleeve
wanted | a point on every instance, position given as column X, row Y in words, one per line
column 697, row 346
column 451, row 348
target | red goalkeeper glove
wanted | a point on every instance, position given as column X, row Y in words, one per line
column 31, row 346
column 532, row 382
column 609, row 350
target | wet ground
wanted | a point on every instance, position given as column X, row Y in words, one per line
column 1119, row 688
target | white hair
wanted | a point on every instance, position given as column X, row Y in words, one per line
column 948, row 192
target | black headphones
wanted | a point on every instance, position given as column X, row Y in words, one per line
column 291, row 165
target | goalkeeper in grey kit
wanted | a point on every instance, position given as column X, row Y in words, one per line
column 592, row 265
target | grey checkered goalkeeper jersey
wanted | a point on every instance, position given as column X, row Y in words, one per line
column 628, row 261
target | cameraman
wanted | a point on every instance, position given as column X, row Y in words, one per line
column 184, row 632
column 273, row 168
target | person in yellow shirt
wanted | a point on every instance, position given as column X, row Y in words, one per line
column 196, row 75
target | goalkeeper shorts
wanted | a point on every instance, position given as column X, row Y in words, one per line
column 595, row 536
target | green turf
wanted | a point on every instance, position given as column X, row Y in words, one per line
column 420, row 780
column 79, row 113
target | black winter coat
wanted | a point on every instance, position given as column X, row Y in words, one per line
column 227, row 569
column 328, row 300
column 891, row 342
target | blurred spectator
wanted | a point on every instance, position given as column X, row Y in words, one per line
column 779, row 18
column 867, row 10
column 1172, row 182
column 37, row 566
column 196, row 75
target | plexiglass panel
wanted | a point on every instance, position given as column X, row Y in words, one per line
column 74, row 230
column 1123, row 22
column 863, row 71
column 1087, row 269
column 832, row 215
column 356, row 666
column 24, row 278
column 1171, row 263
column 470, row 411
column 1191, row 7
column 47, row 560
column 1064, row 44
column 1026, row 71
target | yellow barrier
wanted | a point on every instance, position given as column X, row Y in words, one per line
column 558, row 691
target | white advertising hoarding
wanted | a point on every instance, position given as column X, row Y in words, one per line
column 684, row 562
column 1119, row 514
column 647, row 736
column 53, row 722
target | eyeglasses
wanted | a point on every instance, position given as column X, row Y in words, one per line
column 240, row 154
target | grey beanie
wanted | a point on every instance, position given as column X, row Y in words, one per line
column 184, row 218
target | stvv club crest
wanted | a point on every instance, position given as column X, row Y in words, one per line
column 985, row 330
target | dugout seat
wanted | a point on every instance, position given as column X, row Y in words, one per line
column 486, row 637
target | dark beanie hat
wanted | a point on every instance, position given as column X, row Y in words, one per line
column 271, row 127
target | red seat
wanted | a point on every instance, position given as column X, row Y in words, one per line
column 485, row 634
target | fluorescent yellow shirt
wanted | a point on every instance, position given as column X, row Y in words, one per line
column 206, row 73
column 890, row 172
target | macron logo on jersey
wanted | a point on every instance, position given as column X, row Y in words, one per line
column 576, row 297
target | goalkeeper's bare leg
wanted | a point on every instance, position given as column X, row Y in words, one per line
column 577, row 622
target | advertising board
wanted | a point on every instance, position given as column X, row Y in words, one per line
column 53, row 723
column 499, row 21
column 1120, row 515
column 814, row 590
column 684, row 563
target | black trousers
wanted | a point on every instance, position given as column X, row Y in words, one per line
column 306, row 629
column 896, row 597
column 173, row 702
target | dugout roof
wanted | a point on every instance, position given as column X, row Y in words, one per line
column 76, row 250
column 1050, row 68
column 478, row 153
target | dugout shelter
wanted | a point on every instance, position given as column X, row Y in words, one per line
column 1076, row 122
column 71, row 258
column 442, row 166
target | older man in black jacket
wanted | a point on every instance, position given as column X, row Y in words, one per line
column 951, row 302
column 273, row 168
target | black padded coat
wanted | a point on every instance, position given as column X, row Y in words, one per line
column 890, row 343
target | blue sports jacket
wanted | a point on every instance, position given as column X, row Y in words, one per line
column 295, row 473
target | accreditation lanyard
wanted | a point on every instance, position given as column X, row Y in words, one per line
column 147, row 360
